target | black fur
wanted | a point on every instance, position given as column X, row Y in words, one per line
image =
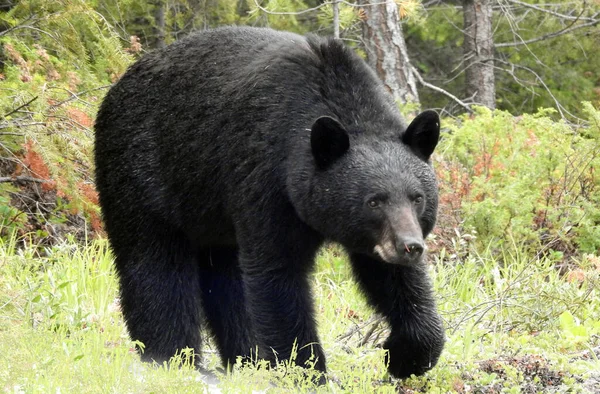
column 226, row 159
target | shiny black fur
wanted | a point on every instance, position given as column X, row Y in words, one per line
column 225, row 160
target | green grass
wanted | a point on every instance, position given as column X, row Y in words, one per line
column 514, row 324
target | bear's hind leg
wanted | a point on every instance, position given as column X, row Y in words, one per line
column 224, row 303
column 160, row 294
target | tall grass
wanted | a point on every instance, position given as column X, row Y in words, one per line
column 61, row 329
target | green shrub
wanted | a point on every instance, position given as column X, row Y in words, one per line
column 527, row 180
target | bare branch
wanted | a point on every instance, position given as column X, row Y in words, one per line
column 32, row 28
column 370, row 332
column 22, row 25
column 72, row 122
column 557, row 14
column 439, row 90
column 290, row 13
column 549, row 35
column 19, row 107
column 432, row 3
column 336, row 19
column 21, row 178
column 375, row 319
column 560, row 108
column 326, row 3
column 15, row 124
column 77, row 96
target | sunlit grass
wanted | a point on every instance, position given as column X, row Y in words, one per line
column 61, row 329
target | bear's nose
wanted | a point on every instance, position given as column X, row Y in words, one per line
column 409, row 248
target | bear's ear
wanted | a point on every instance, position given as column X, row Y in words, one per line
column 423, row 133
column 328, row 141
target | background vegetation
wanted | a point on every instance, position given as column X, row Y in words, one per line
column 515, row 255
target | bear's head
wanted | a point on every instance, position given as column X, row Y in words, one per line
column 375, row 193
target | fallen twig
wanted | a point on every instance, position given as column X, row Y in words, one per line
column 20, row 106
column 22, row 178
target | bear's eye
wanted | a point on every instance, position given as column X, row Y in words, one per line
column 376, row 200
column 418, row 200
column 373, row 203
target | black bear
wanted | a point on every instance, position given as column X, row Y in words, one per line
column 225, row 160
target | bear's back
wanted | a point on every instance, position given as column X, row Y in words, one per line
column 220, row 83
column 188, row 124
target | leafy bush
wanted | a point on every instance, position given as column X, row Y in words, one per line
column 526, row 180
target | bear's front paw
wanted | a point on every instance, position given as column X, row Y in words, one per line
column 404, row 365
column 406, row 357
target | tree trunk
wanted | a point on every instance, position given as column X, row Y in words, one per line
column 386, row 49
column 478, row 49
column 160, row 23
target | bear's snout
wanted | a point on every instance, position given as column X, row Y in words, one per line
column 400, row 250
column 401, row 240
column 409, row 249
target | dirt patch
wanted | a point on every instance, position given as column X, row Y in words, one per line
column 537, row 374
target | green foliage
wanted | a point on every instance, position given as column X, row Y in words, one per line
column 59, row 60
column 527, row 180
column 139, row 18
column 75, row 37
column 348, row 18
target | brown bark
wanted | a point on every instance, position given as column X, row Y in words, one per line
column 478, row 49
column 386, row 49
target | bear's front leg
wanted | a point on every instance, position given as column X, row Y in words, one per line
column 404, row 296
column 276, row 264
